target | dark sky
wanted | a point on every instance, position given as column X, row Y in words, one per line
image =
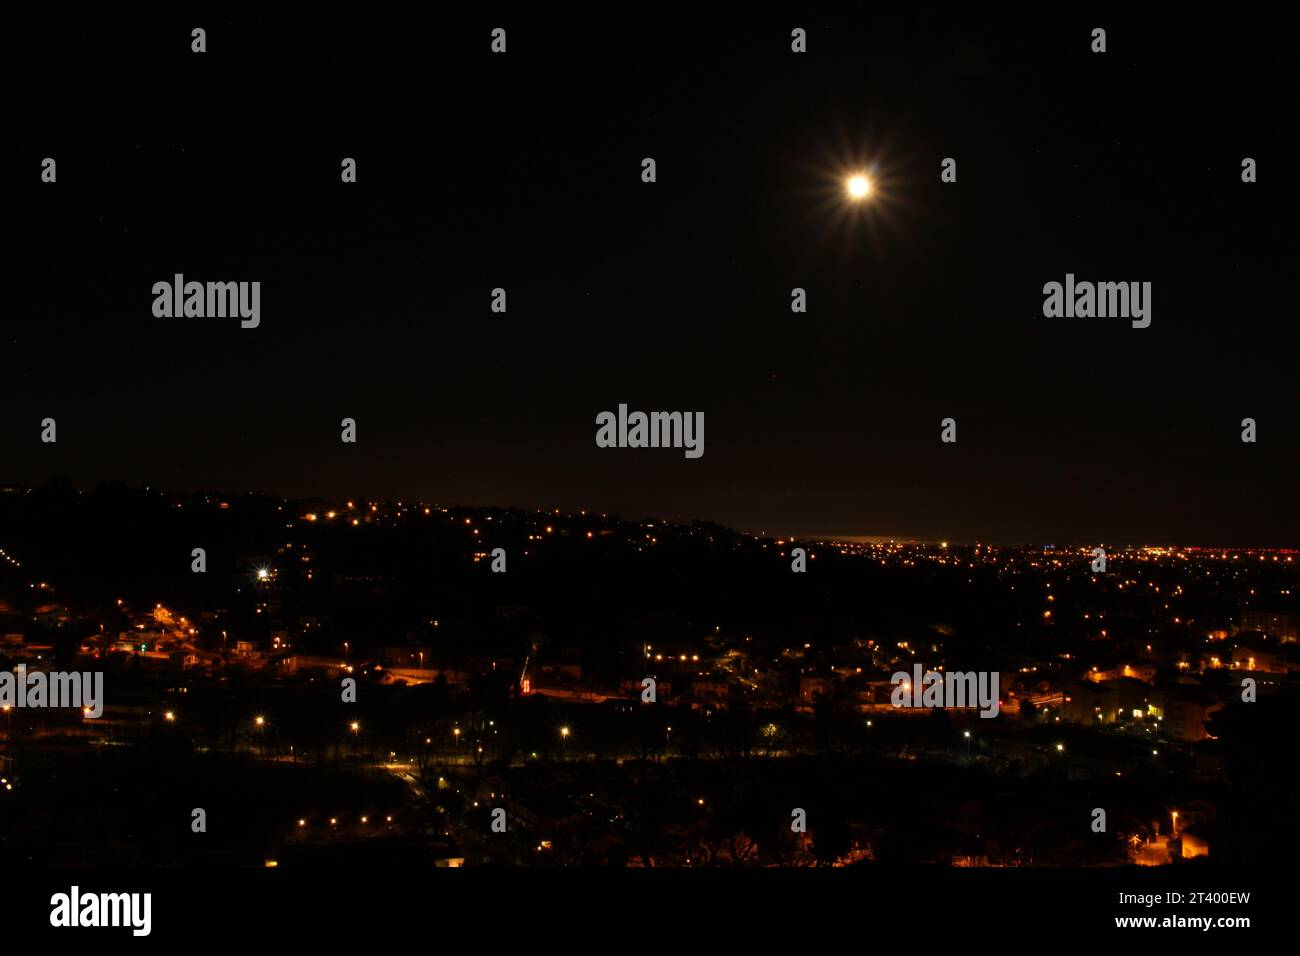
column 523, row 171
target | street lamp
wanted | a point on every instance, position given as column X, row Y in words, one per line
column 564, row 737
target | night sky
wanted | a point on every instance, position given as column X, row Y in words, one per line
column 523, row 171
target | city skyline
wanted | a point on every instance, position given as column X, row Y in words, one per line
column 490, row 659
column 771, row 533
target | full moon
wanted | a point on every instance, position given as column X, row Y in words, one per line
column 859, row 187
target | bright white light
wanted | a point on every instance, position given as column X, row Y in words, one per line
column 263, row 574
column 859, row 187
